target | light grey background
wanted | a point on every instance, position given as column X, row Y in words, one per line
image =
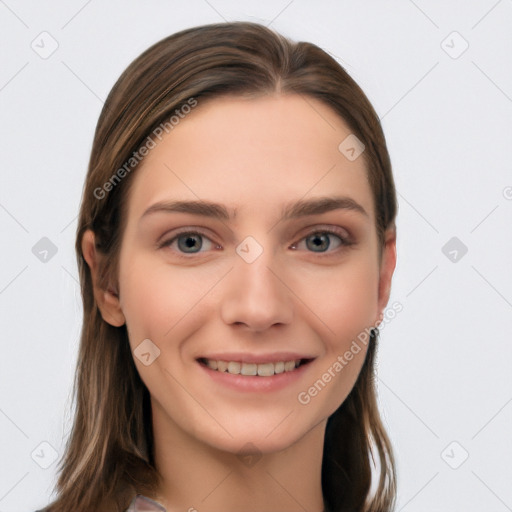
column 444, row 361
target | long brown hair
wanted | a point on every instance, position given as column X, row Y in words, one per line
column 109, row 454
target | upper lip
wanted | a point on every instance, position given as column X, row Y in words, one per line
column 256, row 358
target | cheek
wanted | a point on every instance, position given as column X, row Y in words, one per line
column 348, row 309
column 155, row 297
column 344, row 298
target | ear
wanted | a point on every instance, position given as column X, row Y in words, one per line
column 107, row 300
column 387, row 267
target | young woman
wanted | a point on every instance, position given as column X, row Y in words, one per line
column 236, row 244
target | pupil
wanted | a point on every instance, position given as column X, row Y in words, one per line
column 319, row 242
column 190, row 242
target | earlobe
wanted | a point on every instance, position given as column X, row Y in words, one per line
column 387, row 267
column 107, row 300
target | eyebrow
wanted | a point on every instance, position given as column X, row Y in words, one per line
column 300, row 208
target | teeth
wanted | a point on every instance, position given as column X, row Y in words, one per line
column 266, row 369
column 279, row 367
column 289, row 366
column 249, row 369
column 263, row 369
column 234, row 367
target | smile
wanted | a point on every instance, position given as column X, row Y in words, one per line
column 252, row 369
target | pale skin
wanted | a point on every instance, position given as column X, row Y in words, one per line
column 258, row 156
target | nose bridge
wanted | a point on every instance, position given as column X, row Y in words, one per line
column 253, row 295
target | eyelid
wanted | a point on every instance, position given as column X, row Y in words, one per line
column 337, row 230
column 183, row 230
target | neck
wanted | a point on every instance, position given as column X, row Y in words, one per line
column 197, row 477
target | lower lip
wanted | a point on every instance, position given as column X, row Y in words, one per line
column 254, row 383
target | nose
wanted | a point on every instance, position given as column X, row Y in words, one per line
column 255, row 295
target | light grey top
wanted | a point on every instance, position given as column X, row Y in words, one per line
column 142, row 504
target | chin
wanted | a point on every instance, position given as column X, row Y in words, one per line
column 253, row 443
column 259, row 438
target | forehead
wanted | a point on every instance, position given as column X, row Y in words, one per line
column 252, row 152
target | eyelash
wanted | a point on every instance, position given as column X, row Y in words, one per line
column 345, row 241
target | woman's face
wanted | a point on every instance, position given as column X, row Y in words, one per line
column 251, row 239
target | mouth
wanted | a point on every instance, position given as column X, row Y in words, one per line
column 246, row 369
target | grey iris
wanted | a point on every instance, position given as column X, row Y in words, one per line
column 191, row 241
column 318, row 241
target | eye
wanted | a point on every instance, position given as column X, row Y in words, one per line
column 320, row 241
column 189, row 242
